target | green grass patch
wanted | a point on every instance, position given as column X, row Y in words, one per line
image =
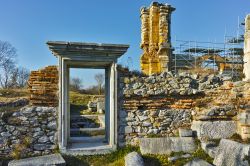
column 113, row 159
column 237, row 138
column 79, row 102
column 10, row 93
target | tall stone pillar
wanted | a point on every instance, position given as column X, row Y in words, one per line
column 154, row 66
column 246, row 58
column 156, row 38
column 145, row 40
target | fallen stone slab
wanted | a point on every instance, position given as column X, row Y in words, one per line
column 48, row 160
column 133, row 159
column 198, row 162
column 166, row 145
column 231, row 153
column 214, row 129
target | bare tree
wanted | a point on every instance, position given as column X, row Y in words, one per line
column 75, row 84
column 99, row 79
column 23, row 76
column 5, row 76
column 7, row 53
column 7, row 63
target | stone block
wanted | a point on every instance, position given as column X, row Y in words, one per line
column 185, row 132
column 231, row 153
column 244, row 118
column 100, row 107
column 133, row 159
column 166, row 145
column 210, row 148
column 49, row 160
column 214, row 129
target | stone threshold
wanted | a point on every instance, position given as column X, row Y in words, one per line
column 88, row 146
column 89, row 149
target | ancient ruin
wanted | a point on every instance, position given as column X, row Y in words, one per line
column 163, row 111
column 155, row 38
column 87, row 55
column 43, row 87
column 246, row 70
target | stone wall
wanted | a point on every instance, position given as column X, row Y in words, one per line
column 28, row 131
column 159, row 105
column 43, row 86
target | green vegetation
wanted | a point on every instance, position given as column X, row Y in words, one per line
column 19, row 149
column 117, row 158
column 8, row 95
column 79, row 102
column 236, row 137
column 113, row 159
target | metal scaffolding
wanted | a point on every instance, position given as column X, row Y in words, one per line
column 225, row 57
column 194, row 54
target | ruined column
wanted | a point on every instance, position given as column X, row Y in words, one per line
column 145, row 40
column 154, row 63
column 155, row 36
column 165, row 51
column 246, row 57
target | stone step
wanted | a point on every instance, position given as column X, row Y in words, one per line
column 87, row 131
column 54, row 159
column 99, row 138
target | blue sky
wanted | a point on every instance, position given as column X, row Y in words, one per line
column 28, row 24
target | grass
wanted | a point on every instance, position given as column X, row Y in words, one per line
column 81, row 99
column 79, row 102
column 236, row 137
column 18, row 150
column 117, row 158
column 8, row 95
column 113, row 159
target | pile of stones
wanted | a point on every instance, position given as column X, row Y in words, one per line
column 36, row 126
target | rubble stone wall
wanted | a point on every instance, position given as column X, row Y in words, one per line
column 29, row 131
column 159, row 105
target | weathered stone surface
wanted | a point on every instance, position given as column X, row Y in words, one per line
column 52, row 125
column 214, row 129
column 155, row 32
column 185, row 132
column 198, row 162
column 37, row 124
column 166, row 145
column 231, row 153
column 133, row 159
column 48, row 160
column 210, row 148
column 246, row 57
column 40, row 83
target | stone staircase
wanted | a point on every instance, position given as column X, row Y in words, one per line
column 87, row 125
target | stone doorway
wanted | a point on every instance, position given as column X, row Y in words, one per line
column 87, row 55
column 87, row 109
